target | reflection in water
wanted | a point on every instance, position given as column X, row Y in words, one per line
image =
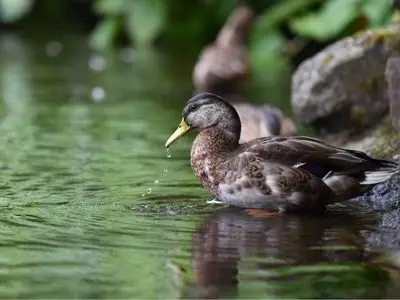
column 231, row 248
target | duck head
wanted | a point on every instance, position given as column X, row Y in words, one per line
column 206, row 110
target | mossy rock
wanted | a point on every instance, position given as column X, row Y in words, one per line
column 343, row 88
column 380, row 142
column 385, row 141
column 392, row 75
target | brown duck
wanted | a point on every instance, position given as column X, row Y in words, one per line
column 223, row 67
column 275, row 173
column 261, row 121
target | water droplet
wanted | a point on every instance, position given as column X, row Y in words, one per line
column 149, row 191
column 53, row 48
column 165, row 172
column 97, row 63
column 98, row 94
column 168, row 153
column 156, row 181
column 143, row 195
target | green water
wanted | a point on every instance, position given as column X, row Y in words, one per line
column 91, row 207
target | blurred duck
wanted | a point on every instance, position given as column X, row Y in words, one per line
column 223, row 65
column 221, row 69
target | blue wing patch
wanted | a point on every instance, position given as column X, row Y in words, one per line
column 316, row 170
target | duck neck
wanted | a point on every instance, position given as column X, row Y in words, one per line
column 214, row 141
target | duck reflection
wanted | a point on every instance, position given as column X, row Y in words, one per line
column 230, row 240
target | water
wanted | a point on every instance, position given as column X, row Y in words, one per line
column 93, row 208
column 169, row 155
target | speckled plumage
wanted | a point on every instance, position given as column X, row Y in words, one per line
column 276, row 173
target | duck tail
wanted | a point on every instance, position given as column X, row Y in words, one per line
column 384, row 171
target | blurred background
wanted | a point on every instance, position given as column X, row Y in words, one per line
column 90, row 205
column 284, row 30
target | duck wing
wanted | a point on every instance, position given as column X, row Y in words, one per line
column 320, row 159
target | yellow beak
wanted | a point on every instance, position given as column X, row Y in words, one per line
column 180, row 131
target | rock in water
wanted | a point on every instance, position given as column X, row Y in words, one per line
column 392, row 75
column 343, row 87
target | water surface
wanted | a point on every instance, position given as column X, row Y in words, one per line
column 91, row 207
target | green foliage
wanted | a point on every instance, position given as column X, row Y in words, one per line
column 177, row 22
column 328, row 22
column 14, row 10
column 336, row 15
column 377, row 12
column 281, row 12
column 145, row 20
column 142, row 19
column 112, row 8
column 104, row 33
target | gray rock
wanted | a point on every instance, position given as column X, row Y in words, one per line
column 382, row 142
column 392, row 75
column 344, row 86
column 379, row 142
column 387, row 233
column 382, row 197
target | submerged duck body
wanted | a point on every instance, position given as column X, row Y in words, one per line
column 275, row 173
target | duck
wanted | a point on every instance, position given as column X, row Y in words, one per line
column 262, row 120
column 222, row 68
column 276, row 173
column 223, row 65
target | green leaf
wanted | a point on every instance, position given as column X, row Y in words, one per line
column 223, row 8
column 377, row 12
column 270, row 69
column 266, row 54
column 111, row 7
column 281, row 12
column 104, row 33
column 266, row 47
column 13, row 10
column 330, row 21
column 145, row 20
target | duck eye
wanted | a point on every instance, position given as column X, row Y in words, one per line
column 192, row 107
